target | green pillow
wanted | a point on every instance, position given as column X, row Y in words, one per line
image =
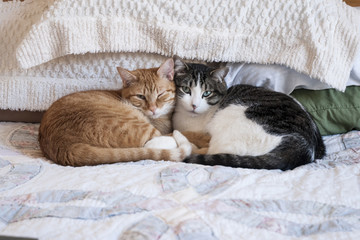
column 333, row 111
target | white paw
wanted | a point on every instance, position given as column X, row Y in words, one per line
column 182, row 142
column 161, row 142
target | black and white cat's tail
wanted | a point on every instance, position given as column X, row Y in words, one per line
column 285, row 156
column 267, row 161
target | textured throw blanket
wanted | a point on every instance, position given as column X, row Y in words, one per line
column 316, row 37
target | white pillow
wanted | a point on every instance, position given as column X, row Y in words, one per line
column 280, row 78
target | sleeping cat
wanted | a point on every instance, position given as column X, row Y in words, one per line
column 100, row 126
column 250, row 127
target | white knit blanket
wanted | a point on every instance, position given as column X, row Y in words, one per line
column 316, row 37
column 39, row 31
column 36, row 88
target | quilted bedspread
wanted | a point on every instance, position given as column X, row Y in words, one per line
column 167, row 200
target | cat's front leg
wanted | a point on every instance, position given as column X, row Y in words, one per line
column 199, row 139
column 161, row 142
column 177, row 144
column 196, row 150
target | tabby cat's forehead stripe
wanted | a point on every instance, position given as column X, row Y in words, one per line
column 195, row 79
column 199, row 79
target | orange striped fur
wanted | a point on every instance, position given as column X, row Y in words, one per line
column 100, row 127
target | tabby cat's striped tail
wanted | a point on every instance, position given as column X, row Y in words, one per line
column 81, row 154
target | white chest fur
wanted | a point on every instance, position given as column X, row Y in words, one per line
column 184, row 120
column 232, row 132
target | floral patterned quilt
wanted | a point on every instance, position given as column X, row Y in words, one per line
column 166, row 200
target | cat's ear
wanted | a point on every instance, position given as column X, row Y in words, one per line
column 220, row 74
column 179, row 65
column 166, row 70
column 127, row 77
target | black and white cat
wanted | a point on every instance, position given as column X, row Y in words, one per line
column 250, row 127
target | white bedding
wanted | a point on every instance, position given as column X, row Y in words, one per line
column 64, row 69
column 280, row 78
column 305, row 35
column 166, row 200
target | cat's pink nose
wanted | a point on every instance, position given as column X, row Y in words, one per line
column 194, row 106
column 153, row 109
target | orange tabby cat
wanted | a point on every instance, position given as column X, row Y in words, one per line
column 100, row 127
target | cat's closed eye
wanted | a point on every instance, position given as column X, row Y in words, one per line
column 161, row 94
column 142, row 97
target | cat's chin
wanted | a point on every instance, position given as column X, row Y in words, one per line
column 194, row 113
column 152, row 116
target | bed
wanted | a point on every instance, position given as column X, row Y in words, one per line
column 50, row 48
